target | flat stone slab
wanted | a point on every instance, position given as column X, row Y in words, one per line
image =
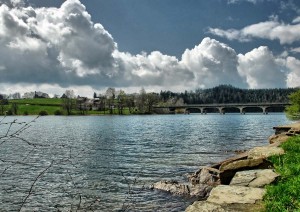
column 172, row 187
column 204, row 206
column 241, row 164
column 278, row 138
column 264, row 152
column 225, row 194
column 257, row 178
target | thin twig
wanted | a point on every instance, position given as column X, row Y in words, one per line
column 33, row 184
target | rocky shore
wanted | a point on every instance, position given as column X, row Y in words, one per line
column 236, row 184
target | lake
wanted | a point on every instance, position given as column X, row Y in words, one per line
column 107, row 163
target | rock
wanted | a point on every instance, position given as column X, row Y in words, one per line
column 241, row 164
column 241, row 156
column 264, row 152
column 173, row 187
column 225, row 194
column 228, row 170
column 206, row 175
column 254, row 178
column 201, row 190
column 293, row 132
column 204, row 206
column 278, row 138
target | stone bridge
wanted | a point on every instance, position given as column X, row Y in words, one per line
column 202, row 108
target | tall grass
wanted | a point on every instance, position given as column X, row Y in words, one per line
column 285, row 194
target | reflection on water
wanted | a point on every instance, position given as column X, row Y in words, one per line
column 108, row 162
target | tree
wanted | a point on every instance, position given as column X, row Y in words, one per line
column 110, row 95
column 121, row 101
column 14, row 108
column 293, row 111
column 3, row 102
column 141, row 101
column 68, row 101
column 151, row 100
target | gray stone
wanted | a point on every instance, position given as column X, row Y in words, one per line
column 203, row 206
column 200, row 190
column 228, row 170
column 225, row 194
column 254, row 178
column 264, row 152
column 172, row 187
column 209, row 176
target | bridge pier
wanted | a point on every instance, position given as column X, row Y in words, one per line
column 265, row 111
column 242, row 110
column 221, row 110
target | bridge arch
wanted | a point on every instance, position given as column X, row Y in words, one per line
column 193, row 110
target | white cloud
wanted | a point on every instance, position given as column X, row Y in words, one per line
column 213, row 63
column 297, row 49
column 296, row 20
column 261, row 69
column 54, row 49
column 293, row 78
column 272, row 30
column 240, row 1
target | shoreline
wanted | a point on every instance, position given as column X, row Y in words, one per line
column 218, row 187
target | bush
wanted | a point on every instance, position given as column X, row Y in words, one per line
column 25, row 113
column 58, row 113
column 9, row 112
column 43, row 113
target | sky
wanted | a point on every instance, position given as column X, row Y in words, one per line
column 90, row 45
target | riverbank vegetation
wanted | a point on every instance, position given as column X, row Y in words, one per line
column 293, row 111
column 285, row 194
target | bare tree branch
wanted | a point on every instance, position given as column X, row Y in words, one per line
column 33, row 184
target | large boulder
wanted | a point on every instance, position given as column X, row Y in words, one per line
column 228, row 170
column 225, row 194
column 264, row 152
column 278, row 138
column 254, row 178
column 204, row 206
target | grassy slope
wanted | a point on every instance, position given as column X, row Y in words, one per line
column 285, row 194
column 34, row 106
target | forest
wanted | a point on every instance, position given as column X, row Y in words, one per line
column 230, row 94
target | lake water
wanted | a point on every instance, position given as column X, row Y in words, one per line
column 107, row 163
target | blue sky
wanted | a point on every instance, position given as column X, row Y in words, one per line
column 156, row 44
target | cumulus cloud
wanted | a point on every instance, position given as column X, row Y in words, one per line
column 61, row 47
column 213, row 63
column 272, row 30
column 293, row 78
column 261, row 69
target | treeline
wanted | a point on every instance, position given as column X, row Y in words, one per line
column 229, row 94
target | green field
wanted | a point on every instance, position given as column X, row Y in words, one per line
column 50, row 106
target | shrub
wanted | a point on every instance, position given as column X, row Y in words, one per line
column 25, row 113
column 58, row 112
column 43, row 113
column 9, row 112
